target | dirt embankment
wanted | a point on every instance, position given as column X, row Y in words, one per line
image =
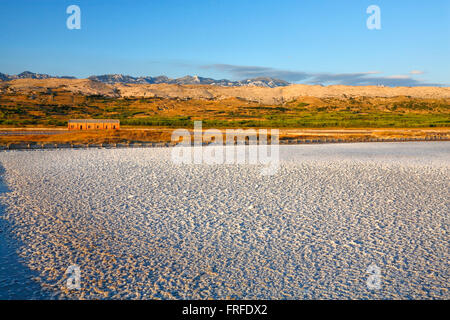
column 163, row 135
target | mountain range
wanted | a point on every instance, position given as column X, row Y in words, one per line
column 125, row 79
column 29, row 75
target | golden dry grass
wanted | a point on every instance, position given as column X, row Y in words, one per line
column 164, row 135
column 91, row 137
column 55, row 108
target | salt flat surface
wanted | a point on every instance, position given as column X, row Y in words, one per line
column 139, row 226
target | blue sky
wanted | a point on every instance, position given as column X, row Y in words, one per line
column 309, row 41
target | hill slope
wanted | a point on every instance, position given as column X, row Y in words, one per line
column 264, row 95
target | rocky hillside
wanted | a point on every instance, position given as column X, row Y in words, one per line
column 264, row 95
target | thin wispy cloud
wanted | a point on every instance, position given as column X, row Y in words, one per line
column 355, row 79
column 398, row 76
column 245, row 72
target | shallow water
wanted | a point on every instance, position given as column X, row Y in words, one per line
column 139, row 226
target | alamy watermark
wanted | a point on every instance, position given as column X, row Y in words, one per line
column 74, row 20
column 374, row 280
column 374, row 20
column 241, row 146
column 74, row 277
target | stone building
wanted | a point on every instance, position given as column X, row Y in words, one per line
column 93, row 124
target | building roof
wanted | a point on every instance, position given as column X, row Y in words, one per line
column 94, row 121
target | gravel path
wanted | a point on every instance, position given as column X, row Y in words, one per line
column 139, row 226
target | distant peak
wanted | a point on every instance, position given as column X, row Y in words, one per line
column 188, row 79
column 30, row 75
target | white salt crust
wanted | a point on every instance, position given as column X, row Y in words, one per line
column 140, row 227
